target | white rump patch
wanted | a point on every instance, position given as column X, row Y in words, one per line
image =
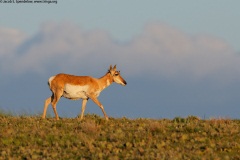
column 50, row 80
column 75, row 91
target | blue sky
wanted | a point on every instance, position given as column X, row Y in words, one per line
column 179, row 58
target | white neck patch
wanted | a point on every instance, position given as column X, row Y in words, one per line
column 108, row 82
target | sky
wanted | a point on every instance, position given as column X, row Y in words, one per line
column 180, row 58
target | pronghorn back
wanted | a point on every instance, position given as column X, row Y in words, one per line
column 70, row 79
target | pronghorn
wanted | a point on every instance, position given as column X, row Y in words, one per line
column 80, row 87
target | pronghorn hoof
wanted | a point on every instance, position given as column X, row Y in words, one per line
column 79, row 119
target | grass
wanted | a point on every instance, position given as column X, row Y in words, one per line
column 23, row 137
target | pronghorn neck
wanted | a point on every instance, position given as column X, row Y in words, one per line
column 106, row 81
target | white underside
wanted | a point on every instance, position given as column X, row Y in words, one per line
column 75, row 92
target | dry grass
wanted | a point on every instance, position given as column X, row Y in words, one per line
column 94, row 138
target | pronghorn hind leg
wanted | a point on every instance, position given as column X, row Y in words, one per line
column 95, row 100
column 84, row 102
column 46, row 104
column 56, row 97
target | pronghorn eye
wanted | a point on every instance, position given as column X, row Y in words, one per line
column 116, row 73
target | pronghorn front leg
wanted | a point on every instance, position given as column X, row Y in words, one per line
column 84, row 102
column 95, row 100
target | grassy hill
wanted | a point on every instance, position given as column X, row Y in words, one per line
column 23, row 137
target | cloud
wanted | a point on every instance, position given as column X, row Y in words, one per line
column 169, row 51
column 10, row 39
column 59, row 45
column 160, row 50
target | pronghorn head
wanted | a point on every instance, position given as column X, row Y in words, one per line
column 116, row 75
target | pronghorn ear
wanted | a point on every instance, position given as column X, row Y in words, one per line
column 115, row 67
